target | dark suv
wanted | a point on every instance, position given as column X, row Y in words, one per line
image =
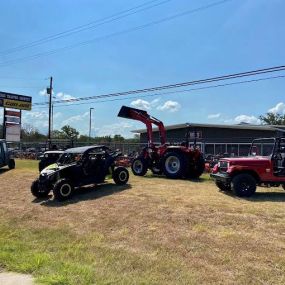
column 77, row 167
column 5, row 156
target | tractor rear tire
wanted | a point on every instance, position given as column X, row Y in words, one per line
column 197, row 169
column 243, row 185
column 37, row 192
column 139, row 166
column 11, row 164
column 63, row 190
column 121, row 175
column 174, row 165
column 222, row 186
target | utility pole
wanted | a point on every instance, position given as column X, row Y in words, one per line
column 49, row 91
column 90, row 122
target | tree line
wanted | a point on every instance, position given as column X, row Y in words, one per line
column 30, row 133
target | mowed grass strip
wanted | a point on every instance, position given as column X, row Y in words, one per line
column 155, row 231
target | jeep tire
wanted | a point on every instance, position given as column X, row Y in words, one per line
column 37, row 192
column 243, row 185
column 121, row 175
column 63, row 190
column 139, row 166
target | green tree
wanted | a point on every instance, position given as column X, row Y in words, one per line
column 272, row 119
column 69, row 132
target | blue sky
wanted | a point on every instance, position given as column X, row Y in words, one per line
column 236, row 36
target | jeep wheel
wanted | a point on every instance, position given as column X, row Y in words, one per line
column 121, row 176
column 222, row 186
column 174, row 165
column 11, row 164
column 243, row 185
column 63, row 190
column 139, row 166
column 37, row 192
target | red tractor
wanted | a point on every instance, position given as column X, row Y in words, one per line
column 174, row 161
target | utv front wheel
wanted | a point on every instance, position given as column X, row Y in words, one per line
column 63, row 190
column 243, row 185
column 121, row 176
column 37, row 192
column 11, row 164
column 139, row 166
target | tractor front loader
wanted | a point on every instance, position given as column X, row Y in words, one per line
column 174, row 161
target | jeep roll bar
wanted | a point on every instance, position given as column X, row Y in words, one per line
column 144, row 117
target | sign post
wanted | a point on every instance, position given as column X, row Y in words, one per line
column 12, row 116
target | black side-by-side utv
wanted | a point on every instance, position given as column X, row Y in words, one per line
column 78, row 167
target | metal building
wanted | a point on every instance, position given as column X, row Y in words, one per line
column 234, row 140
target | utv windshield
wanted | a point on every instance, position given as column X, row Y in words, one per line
column 67, row 158
column 262, row 147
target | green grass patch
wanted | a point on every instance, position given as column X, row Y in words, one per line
column 27, row 164
column 59, row 257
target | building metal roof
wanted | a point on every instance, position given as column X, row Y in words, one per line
column 218, row 126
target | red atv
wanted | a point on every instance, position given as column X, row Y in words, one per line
column 174, row 161
column 265, row 166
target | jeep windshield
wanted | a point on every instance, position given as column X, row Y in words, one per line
column 262, row 147
column 69, row 157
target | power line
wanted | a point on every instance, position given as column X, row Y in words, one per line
column 178, row 85
column 88, row 26
column 137, row 28
column 170, row 92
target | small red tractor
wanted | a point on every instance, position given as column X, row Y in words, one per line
column 174, row 161
column 265, row 166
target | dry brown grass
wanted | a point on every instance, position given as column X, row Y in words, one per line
column 191, row 233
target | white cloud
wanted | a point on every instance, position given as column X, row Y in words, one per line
column 144, row 104
column 214, row 116
column 43, row 92
column 170, row 106
column 64, row 96
column 141, row 104
column 247, row 119
column 121, row 128
column 74, row 119
column 278, row 109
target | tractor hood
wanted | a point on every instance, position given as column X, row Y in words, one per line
column 249, row 160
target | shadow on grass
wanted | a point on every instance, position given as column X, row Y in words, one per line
column 3, row 170
column 196, row 180
column 261, row 197
column 85, row 194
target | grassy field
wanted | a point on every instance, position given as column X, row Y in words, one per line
column 152, row 231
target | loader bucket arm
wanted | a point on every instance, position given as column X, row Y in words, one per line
column 144, row 117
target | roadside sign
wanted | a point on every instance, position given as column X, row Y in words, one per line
column 12, row 125
column 15, row 101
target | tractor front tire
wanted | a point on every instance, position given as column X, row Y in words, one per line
column 121, row 175
column 243, row 185
column 11, row 164
column 222, row 186
column 139, row 166
column 63, row 190
column 37, row 192
column 174, row 165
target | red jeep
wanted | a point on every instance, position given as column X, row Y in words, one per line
column 265, row 166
